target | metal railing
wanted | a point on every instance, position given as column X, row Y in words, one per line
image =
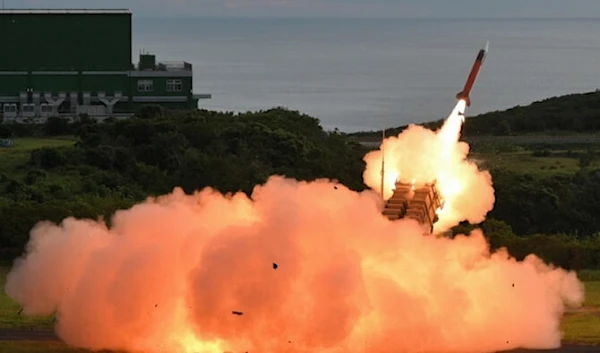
column 64, row 11
column 173, row 65
column 169, row 66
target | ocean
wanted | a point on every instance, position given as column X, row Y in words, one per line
column 362, row 74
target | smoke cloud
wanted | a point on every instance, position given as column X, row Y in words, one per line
column 422, row 156
column 298, row 267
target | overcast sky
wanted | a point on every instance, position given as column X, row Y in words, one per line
column 334, row 8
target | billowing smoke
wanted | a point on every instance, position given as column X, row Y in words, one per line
column 421, row 156
column 299, row 267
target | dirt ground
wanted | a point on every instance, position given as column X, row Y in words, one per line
column 567, row 348
column 26, row 335
column 31, row 335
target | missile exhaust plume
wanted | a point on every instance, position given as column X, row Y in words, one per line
column 297, row 267
column 421, row 156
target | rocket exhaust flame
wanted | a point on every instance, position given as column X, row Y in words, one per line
column 196, row 273
column 421, row 156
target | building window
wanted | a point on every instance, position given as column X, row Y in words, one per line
column 145, row 85
column 174, row 86
column 10, row 108
column 28, row 108
column 46, row 109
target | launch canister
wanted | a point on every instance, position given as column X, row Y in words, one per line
column 465, row 93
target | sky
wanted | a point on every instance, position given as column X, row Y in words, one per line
column 333, row 8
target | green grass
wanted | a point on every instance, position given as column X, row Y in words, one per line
column 524, row 162
column 12, row 157
column 37, row 346
column 9, row 318
column 29, row 144
column 589, row 275
column 13, row 162
column 41, row 347
column 9, row 311
column 582, row 328
column 592, row 294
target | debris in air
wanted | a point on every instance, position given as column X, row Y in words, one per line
column 237, row 313
column 275, row 266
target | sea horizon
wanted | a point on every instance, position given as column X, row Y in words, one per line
column 361, row 73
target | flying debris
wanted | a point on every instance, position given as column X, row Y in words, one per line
column 464, row 94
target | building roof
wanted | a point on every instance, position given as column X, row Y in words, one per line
column 64, row 11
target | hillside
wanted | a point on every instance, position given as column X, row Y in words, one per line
column 564, row 115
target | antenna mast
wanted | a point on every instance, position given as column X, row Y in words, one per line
column 383, row 160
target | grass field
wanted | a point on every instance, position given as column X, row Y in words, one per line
column 592, row 294
column 10, row 318
column 9, row 311
column 525, row 162
column 37, row 347
column 584, row 327
column 589, row 275
column 12, row 157
column 578, row 328
column 28, row 144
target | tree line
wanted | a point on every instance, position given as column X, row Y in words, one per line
column 573, row 114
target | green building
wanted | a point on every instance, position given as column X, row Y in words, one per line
column 70, row 62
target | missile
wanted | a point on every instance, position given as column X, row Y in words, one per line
column 464, row 94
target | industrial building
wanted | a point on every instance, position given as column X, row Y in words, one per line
column 74, row 61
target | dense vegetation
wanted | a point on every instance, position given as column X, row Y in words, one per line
column 117, row 163
column 574, row 114
column 546, row 201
